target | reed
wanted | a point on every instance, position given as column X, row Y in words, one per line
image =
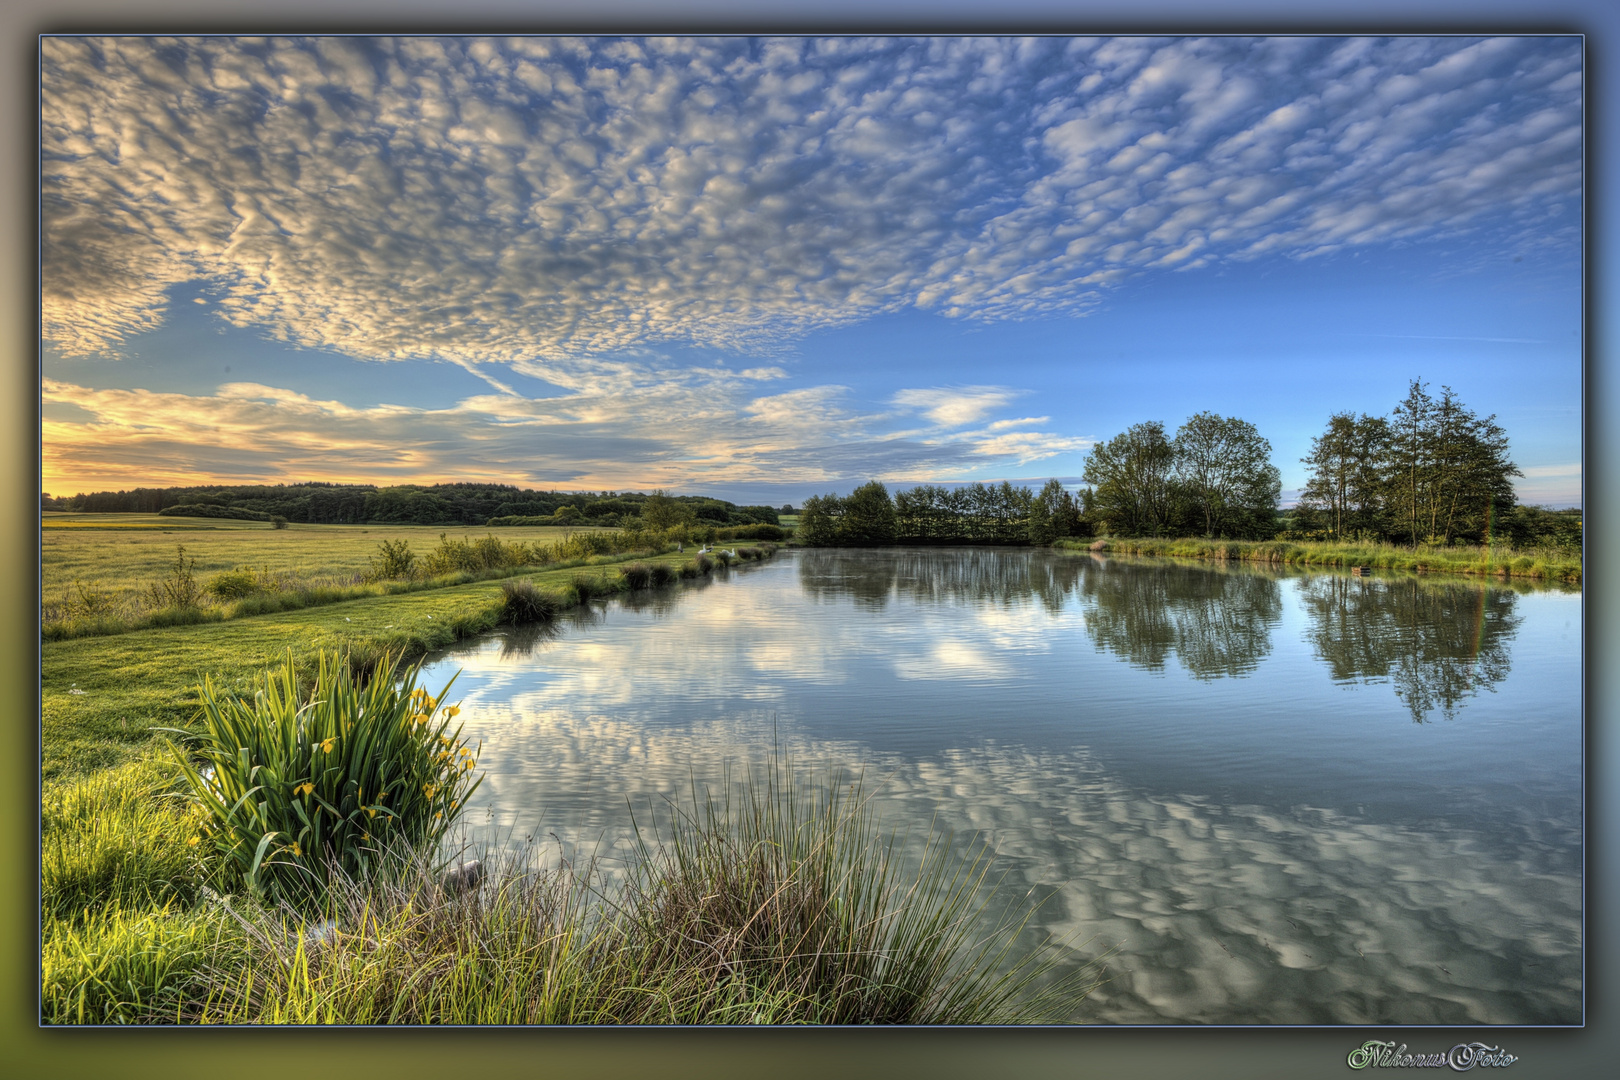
column 290, row 785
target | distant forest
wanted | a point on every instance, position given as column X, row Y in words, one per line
column 410, row 504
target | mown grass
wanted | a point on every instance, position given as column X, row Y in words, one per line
column 778, row 903
column 102, row 696
column 1547, row 565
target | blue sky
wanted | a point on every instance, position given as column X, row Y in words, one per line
column 767, row 268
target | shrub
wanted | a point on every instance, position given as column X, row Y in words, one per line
column 703, row 563
column 179, row 588
column 278, row 522
column 88, row 601
column 233, row 584
column 661, row 574
column 524, row 603
column 637, row 575
column 292, row 790
column 689, row 569
column 393, row 560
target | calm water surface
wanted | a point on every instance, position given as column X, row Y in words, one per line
column 1279, row 797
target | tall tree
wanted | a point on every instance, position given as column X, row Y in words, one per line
column 1471, row 469
column 868, row 516
column 1130, row 476
column 1052, row 514
column 819, row 519
column 1344, row 463
column 662, row 512
column 1447, row 470
column 1224, row 472
column 1410, row 454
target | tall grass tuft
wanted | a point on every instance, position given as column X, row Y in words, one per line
column 132, row 965
column 116, row 837
column 637, row 575
column 661, row 574
column 524, row 602
column 791, row 905
column 787, row 907
column 293, row 786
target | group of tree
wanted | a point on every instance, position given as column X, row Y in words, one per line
column 1214, row 478
column 411, row 504
column 929, row 514
column 1431, row 472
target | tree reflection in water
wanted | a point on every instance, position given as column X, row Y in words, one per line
column 1216, row 622
column 931, row 576
column 1438, row 642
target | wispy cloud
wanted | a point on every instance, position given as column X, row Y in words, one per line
column 539, row 200
column 689, row 433
column 951, row 407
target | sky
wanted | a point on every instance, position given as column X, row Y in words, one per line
column 766, row 268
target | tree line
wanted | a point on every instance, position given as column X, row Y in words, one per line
column 928, row 514
column 1431, row 472
column 411, row 504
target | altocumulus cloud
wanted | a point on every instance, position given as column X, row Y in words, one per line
column 555, row 202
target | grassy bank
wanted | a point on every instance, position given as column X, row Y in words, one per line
column 1490, row 561
column 100, row 697
column 785, row 905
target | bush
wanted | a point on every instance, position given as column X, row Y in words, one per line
column 277, row 521
column 637, row 575
column 292, row 790
column 703, row 563
column 525, row 603
column 393, row 560
column 661, row 574
column 233, row 584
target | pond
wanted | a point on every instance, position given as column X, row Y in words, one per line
column 1271, row 796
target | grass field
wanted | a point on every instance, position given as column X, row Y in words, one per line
column 121, row 552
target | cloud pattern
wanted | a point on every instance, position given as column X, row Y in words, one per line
column 555, row 201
